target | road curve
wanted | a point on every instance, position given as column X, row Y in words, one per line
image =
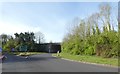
column 46, row 63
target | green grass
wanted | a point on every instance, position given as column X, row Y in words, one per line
column 90, row 59
column 25, row 53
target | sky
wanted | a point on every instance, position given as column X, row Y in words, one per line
column 49, row 18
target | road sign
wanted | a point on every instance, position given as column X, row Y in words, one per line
column 23, row 48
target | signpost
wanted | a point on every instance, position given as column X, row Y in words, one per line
column 23, row 48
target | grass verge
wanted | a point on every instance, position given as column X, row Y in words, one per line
column 25, row 53
column 90, row 59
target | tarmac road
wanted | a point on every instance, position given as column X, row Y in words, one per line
column 46, row 63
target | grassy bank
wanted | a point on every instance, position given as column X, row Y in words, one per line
column 90, row 59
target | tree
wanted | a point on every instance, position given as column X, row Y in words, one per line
column 88, row 38
column 93, row 21
column 39, row 37
column 105, row 12
column 4, row 38
column 26, row 38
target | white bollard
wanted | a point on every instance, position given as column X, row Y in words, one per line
column 58, row 53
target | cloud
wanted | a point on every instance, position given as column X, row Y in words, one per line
column 13, row 27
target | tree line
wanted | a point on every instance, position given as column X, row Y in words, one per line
column 94, row 35
column 29, row 39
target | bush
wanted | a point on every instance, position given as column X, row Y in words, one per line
column 75, row 52
column 9, row 45
column 89, row 51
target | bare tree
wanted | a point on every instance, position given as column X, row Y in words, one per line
column 105, row 13
column 92, row 23
column 39, row 37
column 70, row 27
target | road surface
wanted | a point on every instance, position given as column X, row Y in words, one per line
column 46, row 63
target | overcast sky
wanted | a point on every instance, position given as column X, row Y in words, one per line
column 50, row 18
